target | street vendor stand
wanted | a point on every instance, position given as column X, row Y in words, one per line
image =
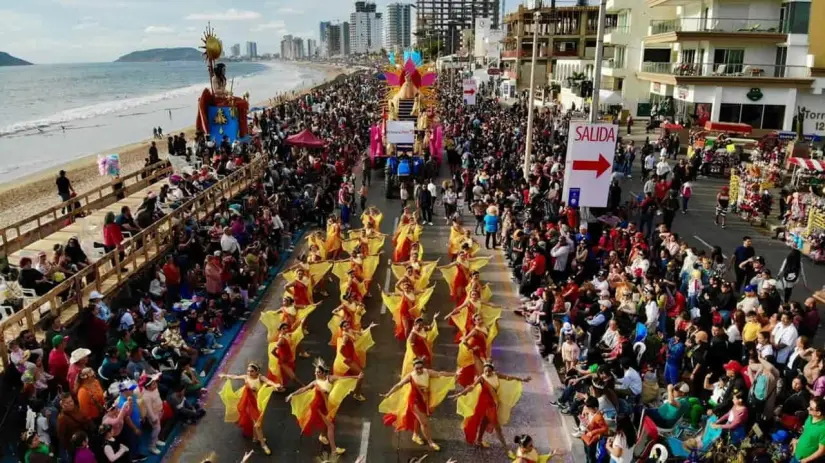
column 723, row 154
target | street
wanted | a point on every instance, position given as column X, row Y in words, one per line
column 359, row 426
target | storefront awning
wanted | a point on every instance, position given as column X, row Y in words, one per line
column 810, row 164
column 728, row 127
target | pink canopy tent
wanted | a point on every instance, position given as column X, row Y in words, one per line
column 306, row 139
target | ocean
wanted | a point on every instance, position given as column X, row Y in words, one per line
column 52, row 114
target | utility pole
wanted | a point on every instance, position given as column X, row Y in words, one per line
column 528, row 148
column 597, row 77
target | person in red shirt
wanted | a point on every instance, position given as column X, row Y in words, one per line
column 172, row 273
column 570, row 292
column 536, row 266
column 112, row 234
column 59, row 361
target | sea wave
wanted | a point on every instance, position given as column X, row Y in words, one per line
column 102, row 109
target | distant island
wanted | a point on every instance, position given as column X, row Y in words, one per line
column 8, row 60
column 161, row 54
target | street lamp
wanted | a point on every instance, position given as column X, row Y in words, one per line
column 530, row 108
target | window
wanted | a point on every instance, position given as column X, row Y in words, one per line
column 752, row 115
column 688, row 56
column 798, row 17
column 729, row 112
column 618, row 56
column 773, row 117
column 732, row 59
column 781, row 59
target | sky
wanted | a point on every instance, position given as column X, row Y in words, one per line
column 72, row 31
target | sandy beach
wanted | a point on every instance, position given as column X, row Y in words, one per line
column 35, row 192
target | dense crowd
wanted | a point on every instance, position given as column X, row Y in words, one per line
column 108, row 389
column 656, row 341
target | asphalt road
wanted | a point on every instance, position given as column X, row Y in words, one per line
column 359, row 426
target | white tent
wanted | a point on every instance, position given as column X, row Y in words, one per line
column 610, row 97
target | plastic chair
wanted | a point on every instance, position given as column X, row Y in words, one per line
column 6, row 312
column 659, row 453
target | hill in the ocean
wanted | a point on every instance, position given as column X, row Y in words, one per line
column 8, row 60
column 161, row 54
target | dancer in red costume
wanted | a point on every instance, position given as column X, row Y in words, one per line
column 247, row 405
column 300, row 288
column 486, row 404
column 408, row 405
column 219, row 96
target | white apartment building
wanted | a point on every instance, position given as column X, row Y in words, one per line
column 366, row 31
column 736, row 61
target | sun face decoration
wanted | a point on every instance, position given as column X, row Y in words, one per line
column 212, row 46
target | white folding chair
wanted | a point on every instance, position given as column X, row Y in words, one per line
column 639, row 349
column 6, row 312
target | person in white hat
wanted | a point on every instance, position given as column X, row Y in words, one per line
column 102, row 311
column 77, row 362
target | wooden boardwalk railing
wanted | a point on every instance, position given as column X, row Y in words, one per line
column 20, row 234
column 111, row 272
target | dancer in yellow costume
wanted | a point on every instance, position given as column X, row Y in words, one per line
column 282, row 355
column 486, row 404
column 420, row 344
column 462, row 316
column 371, row 218
column 299, row 287
column 405, row 238
column 367, row 244
column 316, row 404
column 312, row 265
column 361, row 271
column 349, row 310
column 475, row 285
column 334, row 239
column 351, row 354
column 246, row 405
column 317, row 239
column 405, row 305
column 408, row 405
column 460, row 236
column 289, row 313
column 475, row 349
column 457, row 274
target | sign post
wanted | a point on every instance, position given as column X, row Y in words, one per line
column 590, row 153
column 470, row 89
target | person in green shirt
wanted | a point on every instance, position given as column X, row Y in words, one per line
column 810, row 447
column 37, row 452
column 676, row 405
column 125, row 345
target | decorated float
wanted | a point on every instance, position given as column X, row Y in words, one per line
column 409, row 132
column 221, row 115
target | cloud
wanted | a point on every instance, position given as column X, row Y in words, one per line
column 289, row 10
column 276, row 25
column 85, row 26
column 229, row 15
column 159, row 30
column 12, row 21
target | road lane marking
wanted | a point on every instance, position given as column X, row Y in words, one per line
column 710, row 246
column 365, row 440
column 389, row 272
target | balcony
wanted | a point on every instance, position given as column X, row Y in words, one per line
column 739, row 74
column 768, row 31
column 613, row 68
column 524, row 54
column 617, row 35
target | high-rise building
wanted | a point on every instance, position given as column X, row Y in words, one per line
column 346, row 40
column 312, row 48
column 236, row 50
column 398, row 27
column 252, row 49
column 287, row 47
column 334, row 35
column 298, row 48
column 366, row 28
column 443, row 20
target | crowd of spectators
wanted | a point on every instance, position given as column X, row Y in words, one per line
column 111, row 387
column 652, row 337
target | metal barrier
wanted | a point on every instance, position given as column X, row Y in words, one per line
column 110, row 272
column 38, row 226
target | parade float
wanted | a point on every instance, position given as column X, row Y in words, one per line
column 409, row 131
column 221, row 115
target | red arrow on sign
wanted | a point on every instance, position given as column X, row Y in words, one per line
column 599, row 166
column 470, row 92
